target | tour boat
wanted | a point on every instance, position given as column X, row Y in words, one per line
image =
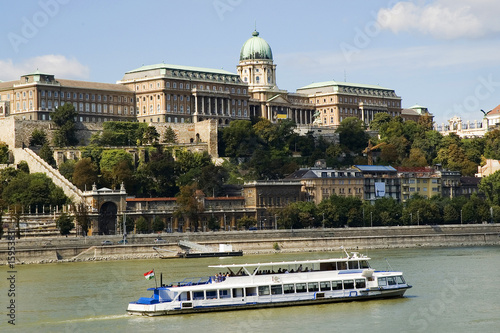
column 273, row 284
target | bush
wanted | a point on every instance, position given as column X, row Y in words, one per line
column 141, row 225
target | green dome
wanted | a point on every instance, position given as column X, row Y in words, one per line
column 256, row 48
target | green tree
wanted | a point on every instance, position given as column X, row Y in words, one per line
column 157, row 225
column 48, row 155
column 352, row 134
column 158, row 176
column 82, row 217
column 23, row 166
column 85, row 174
column 246, row 222
column 141, row 225
column 67, row 168
column 239, row 139
column 150, row 135
column 4, row 153
column 170, row 136
column 65, row 224
column 38, row 137
column 64, row 119
column 189, row 204
column 490, row 186
column 492, row 144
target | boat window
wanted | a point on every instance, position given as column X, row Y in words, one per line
column 211, row 294
column 276, row 290
column 300, row 288
column 382, row 281
column 251, row 291
column 185, row 296
column 238, row 292
column 288, row 288
column 353, row 265
column 341, row 265
column 263, row 290
column 348, row 284
column 324, row 285
column 336, row 285
column 364, row 264
column 360, row 283
column 391, row 280
column 313, row 286
column 225, row 293
column 400, row 280
column 198, row 295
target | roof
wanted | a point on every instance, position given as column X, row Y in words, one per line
column 256, row 48
column 180, row 67
column 345, row 84
column 93, row 85
column 297, row 262
column 495, row 111
column 415, row 169
column 375, row 168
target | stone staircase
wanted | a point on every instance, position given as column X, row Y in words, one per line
column 37, row 164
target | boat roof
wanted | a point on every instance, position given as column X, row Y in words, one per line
column 295, row 262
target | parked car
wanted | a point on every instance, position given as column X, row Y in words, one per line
column 160, row 241
column 106, row 242
column 122, row 241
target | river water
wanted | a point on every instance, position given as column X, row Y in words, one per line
column 454, row 290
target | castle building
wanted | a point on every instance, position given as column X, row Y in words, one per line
column 178, row 94
column 257, row 69
column 334, row 101
column 35, row 96
column 165, row 93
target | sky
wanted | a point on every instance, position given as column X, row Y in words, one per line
column 442, row 54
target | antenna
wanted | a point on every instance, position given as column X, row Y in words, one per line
column 345, row 76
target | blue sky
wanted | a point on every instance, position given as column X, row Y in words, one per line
column 442, row 54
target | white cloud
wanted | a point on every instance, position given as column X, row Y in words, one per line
column 59, row 65
column 443, row 19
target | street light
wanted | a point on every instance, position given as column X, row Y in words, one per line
column 371, row 219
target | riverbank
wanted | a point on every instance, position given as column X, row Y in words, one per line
column 73, row 249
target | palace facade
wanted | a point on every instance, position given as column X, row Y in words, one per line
column 165, row 93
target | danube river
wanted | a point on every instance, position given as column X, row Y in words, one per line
column 454, row 290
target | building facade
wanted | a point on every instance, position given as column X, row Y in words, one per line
column 334, row 101
column 424, row 181
column 35, row 96
column 380, row 181
column 178, row 94
column 321, row 183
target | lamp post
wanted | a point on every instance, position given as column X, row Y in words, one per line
column 371, row 219
column 323, row 220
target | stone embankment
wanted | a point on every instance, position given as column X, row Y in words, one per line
column 67, row 249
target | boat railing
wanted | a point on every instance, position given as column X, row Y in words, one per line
column 194, row 281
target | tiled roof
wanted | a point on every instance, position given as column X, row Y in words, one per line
column 495, row 111
column 179, row 67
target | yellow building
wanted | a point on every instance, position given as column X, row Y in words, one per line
column 335, row 101
column 178, row 94
column 424, row 181
column 35, row 96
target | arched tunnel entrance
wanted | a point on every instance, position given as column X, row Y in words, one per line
column 107, row 218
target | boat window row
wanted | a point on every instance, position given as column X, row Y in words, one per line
column 289, row 288
column 390, row 281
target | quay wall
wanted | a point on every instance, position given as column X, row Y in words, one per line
column 141, row 246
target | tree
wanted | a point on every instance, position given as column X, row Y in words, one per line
column 352, row 134
column 170, row 136
column 82, row 217
column 490, row 186
column 189, row 204
column 141, row 225
column 65, row 224
column 85, row 173
column 492, row 144
column 246, row 222
column 64, row 119
column 239, row 139
column 48, row 155
column 38, row 137
column 157, row 225
column 150, row 135
column 67, row 168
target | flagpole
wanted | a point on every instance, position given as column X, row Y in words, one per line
column 156, row 285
